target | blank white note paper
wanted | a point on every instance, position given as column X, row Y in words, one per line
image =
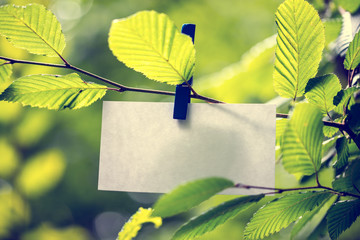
column 143, row 149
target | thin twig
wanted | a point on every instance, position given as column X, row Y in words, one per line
column 281, row 190
column 351, row 78
column 326, row 123
column 122, row 88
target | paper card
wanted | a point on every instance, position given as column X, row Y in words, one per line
column 143, row 149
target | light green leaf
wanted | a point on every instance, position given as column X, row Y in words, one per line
column 150, row 43
column 300, row 42
column 320, row 91
column 349, row 181
column 53, row 92
column 132, row 227
column 308, row 223
column 352, row 58
column 341, row 216
column 41, row 173
column 189, row 195
column 215, row 217
column 5, row 72
column 342, row 150
column 345, row 98
column 302, row 141
column 279, row 213
column 33, row 28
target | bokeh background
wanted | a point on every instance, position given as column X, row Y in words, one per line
column 49, row 160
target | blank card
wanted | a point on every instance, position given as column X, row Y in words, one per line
column 143, row 149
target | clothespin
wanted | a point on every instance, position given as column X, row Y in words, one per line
column 182, row 92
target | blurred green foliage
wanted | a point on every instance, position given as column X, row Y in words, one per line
column 49, row 159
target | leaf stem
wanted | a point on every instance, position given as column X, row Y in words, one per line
column 351, row 78
column 341, row 126
column 281, row 190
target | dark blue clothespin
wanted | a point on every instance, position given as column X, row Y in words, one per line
column 182, row 92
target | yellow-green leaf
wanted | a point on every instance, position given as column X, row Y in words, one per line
column 279, row 213
column 41, row 173
column 300, row 42
column 53, row 92
column 302, row 141
column 132, row 227
column 150, row 43
column 9, row 159
column 33, row 28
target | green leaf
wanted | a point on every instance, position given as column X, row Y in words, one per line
column 346, row 34
column 215, row 217
column 132, row 227
column 308, row 223
column 279, row 213
column 331, row 131
column 353, row 119
column 328, row 146
column 344, row 98
column 189, row 195
column 348, row 5
column 10, row 159
column 332, row 30
column 5, row 72
column 242, row 76
column 300, row 42
column 302, row 141
column 349, row 181
column 342, row 150
column 41, row 173
column 33, row 28
column 281, row 125
column 150, row 43
column 321, row 91
column 341, row 216
column 352, row 58
column 53, row 92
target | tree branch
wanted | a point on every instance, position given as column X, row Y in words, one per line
column 281, row 190
column 121, row 88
